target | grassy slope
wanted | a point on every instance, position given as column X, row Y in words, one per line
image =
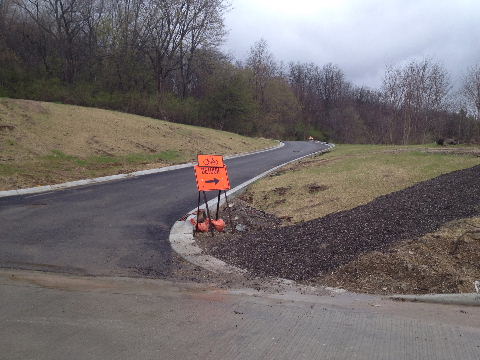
column 349, row 176
column 44, row 143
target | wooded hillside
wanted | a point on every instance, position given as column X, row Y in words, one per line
column 161, row 58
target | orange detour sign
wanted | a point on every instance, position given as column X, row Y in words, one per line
column 211, row 174
column 211, row 161
column 212, row 178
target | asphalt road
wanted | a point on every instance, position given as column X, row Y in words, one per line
column 117, row 228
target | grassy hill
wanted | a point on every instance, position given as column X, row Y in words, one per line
column 46, row 143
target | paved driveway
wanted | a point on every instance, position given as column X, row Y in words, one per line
column 117, row 228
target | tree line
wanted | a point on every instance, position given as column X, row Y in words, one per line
column 162, row 58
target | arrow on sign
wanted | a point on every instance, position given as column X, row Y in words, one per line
column 216, row 181
column 211, row 178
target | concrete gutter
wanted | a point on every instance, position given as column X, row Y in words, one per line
column 472, row 299
column 181, row 234
column 71, row 184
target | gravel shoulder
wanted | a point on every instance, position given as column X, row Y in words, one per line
column 421, row 239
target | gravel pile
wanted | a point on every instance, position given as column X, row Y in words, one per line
column 315, row 248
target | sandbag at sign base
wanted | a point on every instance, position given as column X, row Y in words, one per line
column 204, row 226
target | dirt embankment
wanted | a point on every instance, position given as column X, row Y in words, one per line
column 397, row 243
column 446, row 261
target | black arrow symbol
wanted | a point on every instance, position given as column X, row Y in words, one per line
column 216, row 181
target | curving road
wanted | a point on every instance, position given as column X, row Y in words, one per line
column 121, row 228
column 116, row 228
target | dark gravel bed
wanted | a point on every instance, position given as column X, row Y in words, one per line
column 314, row 248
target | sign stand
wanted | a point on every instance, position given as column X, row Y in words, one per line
column 208, row 212
column 211, row 174
column 218, row 204
column 198, row 211
column 229, row 212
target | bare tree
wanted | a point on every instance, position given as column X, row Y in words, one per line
column 260, row 61
column 321, row 92
column 331, row 85
column 6, row 15
column 4, row 7
column 174, row 31
column 416, row 91
column 392, row 93
column 63, row 21
column 471, row 90
column 206, row 32
column 300, row 78
column 121, row 35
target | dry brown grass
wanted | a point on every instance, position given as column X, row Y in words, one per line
column 45, row 142
column 350, row 176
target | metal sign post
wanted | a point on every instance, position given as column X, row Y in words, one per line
column 229, row 212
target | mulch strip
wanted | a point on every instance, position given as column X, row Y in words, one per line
column 317, row 247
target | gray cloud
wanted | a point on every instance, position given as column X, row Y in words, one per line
column 361, row 36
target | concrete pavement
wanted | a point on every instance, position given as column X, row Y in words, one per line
column 55, row 316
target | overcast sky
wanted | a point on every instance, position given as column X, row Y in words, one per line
column 361, row 36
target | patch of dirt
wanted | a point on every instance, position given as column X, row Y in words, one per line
column 380, row 247
column 281, row 191
column 7, row 127
column 314, row 187
column 31, row 106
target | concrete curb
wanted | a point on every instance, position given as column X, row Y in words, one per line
column 448, row 299
column 70, row 184
column 183, row 243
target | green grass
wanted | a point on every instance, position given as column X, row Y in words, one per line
column 171, row 156
column 58, row 165
column 7, row 170
column 57, row 157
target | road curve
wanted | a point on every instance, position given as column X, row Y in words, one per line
column 117, row 228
